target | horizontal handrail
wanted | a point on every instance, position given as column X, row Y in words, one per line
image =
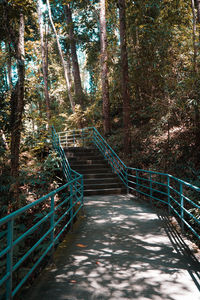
column 165, row 174
column 172, row 191
column 79, row 136
column 56, row 219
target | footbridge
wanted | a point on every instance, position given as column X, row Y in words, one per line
column 128, row 244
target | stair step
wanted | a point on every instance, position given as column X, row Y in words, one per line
column 72, row 155
column 102, row 186
column 105, row 192
column 98, row 175
column 81, row 151
column 86, row 157
column 84, row 171
column 77, row 161
column 89, row 167
column 113, row 179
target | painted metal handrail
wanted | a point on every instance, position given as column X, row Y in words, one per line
column 68, row 172
column 181, row 197
column 91, row 136
column 61, row 210
column 54, row 224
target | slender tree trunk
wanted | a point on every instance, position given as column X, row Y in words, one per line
column 76, row 71
column 104, row 69
column 68, row 64
column 195, row 67
column 44, row 63
column 62, row 59
column 46, row 46
column 194, row 37
column 125, row 79
column 17, row 109
column 9, row 67
column 198, row 10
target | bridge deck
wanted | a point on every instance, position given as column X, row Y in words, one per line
column 122, row 249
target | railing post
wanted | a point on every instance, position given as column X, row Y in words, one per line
column 52, row 222
column 71, row 205
column 82, row 190
column 9, row 259
column 182, row 206
column 82, row 195
column 66, row 140
column 168, row 194
column 137, row 181
column 127, row 186
column 150, row 183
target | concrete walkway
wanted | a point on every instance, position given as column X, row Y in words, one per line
column 121, row 250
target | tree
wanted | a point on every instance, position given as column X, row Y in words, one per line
column 64, row 65
column 76, row 71
column 17, row 105
column 125, row 79
column 195, row 70
column 104, row 69
column 44, row 63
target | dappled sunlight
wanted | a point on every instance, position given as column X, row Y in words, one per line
column 120, row 253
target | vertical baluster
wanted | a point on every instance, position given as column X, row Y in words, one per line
column 168, row 194
column 9, row 259
column 137, row 181
column 150, row 183
column 126, row 175
column 70, row 205
column 82, row 190
column 52, row 222
column 182, row 206
column 82, row 195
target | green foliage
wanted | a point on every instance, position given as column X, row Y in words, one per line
column 163, row 86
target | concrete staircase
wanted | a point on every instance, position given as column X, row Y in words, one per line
column 98, row 176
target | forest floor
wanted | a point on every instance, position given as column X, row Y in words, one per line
column 172, row 151
column 122, row 249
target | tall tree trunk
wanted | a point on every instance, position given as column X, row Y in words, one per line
column 104, row 69
column 76, row 71
column 68, row 64
column 44, row 63
column 62, row 59
column 198, row 10
column 17, row 108
column 9, row 67
column 195, row 67
column 125, row 79
column 194, row 38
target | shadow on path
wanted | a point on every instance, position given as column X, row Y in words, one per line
column 122, row 250
column 182, row 248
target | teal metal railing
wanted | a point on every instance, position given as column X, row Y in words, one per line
column 67, row 171
column 181, row 198
column 24, row 246
column 63, row 204
column 88, row 137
